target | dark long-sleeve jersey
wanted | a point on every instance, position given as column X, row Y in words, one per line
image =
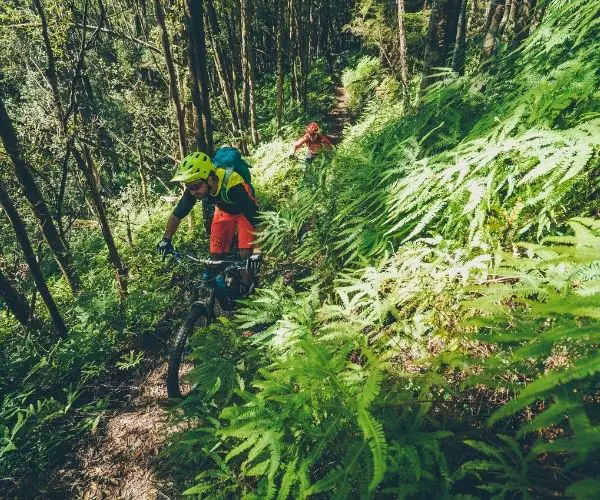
column 234, row 199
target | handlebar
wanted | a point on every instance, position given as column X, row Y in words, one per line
column 179, row 257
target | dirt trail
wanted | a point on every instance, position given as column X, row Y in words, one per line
column 338, row 116
column 120, row 461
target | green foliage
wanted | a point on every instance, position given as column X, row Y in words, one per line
column 443, row 338
column 304, row 418
column 545, row 324
column 319, row 100
column 433, row 290
column 46, row 386
column 504, row 465
column 360, row 83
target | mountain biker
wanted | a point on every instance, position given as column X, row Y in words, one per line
column 235, row 205
column 314, row 141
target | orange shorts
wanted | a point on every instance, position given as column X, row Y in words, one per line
column 223, row 228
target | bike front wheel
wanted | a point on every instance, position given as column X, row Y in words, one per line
column 198, row 315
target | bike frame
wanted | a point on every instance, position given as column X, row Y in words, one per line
column 253, row 263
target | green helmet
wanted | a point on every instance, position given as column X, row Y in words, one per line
column 194, row 167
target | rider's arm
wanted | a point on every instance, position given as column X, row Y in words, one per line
column 298, row 144
column 246, row 204
column 172, row 225
column 184, row 207
column 327, row 141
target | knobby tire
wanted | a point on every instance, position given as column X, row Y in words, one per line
column 197, row 313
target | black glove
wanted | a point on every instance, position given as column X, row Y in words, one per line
column 165, row 247
column 292, row 157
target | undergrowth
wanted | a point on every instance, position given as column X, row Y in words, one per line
column 444, row 342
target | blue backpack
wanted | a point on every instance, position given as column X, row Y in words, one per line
column 231, row 160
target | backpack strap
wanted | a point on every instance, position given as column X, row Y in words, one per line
column 226, row 176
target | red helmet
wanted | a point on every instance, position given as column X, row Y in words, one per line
column 313, row 128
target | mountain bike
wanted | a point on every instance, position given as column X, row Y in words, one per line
column 220, row 283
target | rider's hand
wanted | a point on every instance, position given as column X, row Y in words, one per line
column 292, row 156
column 165, row 247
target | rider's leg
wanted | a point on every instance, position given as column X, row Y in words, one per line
column 221, row 234
column 246, row 246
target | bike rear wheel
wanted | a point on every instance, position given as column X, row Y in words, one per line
column 198, row 315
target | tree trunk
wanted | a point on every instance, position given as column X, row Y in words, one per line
column 221, row 65
column 246, row 33
column 164, row 37
column 36, row 272
column 293, row 50
column 199, row 134
column 195, row 14
column 143, row 177
column 280, row 75
column 521, row 8
column 35, row 199
column 450, row 10
column 458, row 58
column 489, row 16
column 538, row 15
column 304, row 60
column 87, row 169
column 514, row 12
column 244, row 64
column 402, row 51
column 61, row 191
column 505, row 17
column 433, row 56
column 15, row 302
column 51, row 71
column 491, row 33
column 528, row 11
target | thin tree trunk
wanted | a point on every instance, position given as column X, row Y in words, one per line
column 51, row 71
column 35, row 199
column 518, row 22
column 244, row 63
column 199, row 133
column 61, row 192
column 402, row 51
column 248, row 65
column 528, row 11
column 304, row 59
column 491, row 33
column 87, row 169
column 450, row 10
column 538, row 16
column 235, row 69
column 514, row 12
column 40, row 282
column 293, row 40
column 220, row 60
column 489, row 16
column 280, row 75
column 432, row 55
column 143, row 177
column 458, row 58
column 15, row 302
column 297, row 71
column 505, row 17
column 164, row 37
column 195, row 11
